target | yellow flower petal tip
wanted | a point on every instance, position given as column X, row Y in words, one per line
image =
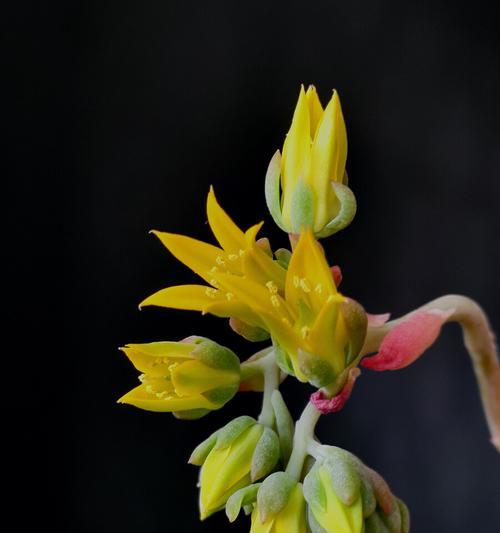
column 306, row 186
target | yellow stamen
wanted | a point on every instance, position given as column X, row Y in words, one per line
column 304, row 286
column 318, row 289
column 275, row 301
column 304, row 331
column 220, row 260
column 210, row 292
column 273, row 289
column 229, row 296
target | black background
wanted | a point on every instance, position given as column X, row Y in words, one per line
column 126, row 113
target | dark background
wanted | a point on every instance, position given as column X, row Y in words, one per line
column 125, row 113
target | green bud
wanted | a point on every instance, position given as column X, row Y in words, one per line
column 284, row 425
column 266, row 455
column 250, row 333
column 232, row 430
column 283, row 257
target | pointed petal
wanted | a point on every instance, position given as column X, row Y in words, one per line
column 154, row 358
column 227, row 233
column 315, row 108
column 309, row 277
column 189, row 297
column 199, row 256
column 139, row 397
column 408, row 340
column 328, row 157
column 296, row 153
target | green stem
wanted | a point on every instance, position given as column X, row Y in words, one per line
column 271, row 374
column 304, row 435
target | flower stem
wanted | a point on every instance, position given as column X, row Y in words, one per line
column 271, row 373
column 479, row 341
column 304, row 435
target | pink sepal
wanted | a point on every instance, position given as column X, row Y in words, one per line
column 374, row 321
column 335, row 404
column 408, row 340
column 337, row 275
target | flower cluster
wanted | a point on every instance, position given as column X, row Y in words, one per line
column 270, row 466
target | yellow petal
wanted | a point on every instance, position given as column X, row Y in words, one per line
column 229, row 308
column 189, row 297
column 325, row 338
column 309, row 277
column 258, row 266
column 292, row 519
column 193, row 377
column 259, row 298
column 199, row 256
column 155, row 357
column 315, row 108
column 261, row 527
column 296, row 154
column 141, row 398
column 328, row 159
column 227, row 233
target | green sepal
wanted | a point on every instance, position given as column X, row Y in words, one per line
column 318, row 371
column 201, row 451
column 248, row 332
column 356, row 323
column 283, row 360
column 302, row 207
column 314, row 492
column 374, row 524
column 264, row 244
column 405, row 516
column 367, row 496
column 221, row 395
column 346, row 213
column 191, row 414
column 214, row 355
column 392, row 520
column 266, row 454
column 343, row 474
column 274, row 493
column 313, row 523
column 283, row 257
column 232, row 430
column 284, row 425
column 241, row 498
column 248, row 508
column 272, row 189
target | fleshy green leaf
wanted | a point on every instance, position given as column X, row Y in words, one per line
column 284, row 425
column 266, row 455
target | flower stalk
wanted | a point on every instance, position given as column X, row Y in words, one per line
column 479, row 341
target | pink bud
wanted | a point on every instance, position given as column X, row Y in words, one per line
column 408, row 340
column 337, row 275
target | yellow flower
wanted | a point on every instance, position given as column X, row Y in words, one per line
column 280, row 507
column 189, row 378
column 311, row 172
column 239, row 254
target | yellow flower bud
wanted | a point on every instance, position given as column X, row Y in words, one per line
column 227, row 469
column 311, row 171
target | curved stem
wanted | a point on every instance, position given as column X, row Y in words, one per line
column 304, row 434
column 479, row 341
column 271, row 373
